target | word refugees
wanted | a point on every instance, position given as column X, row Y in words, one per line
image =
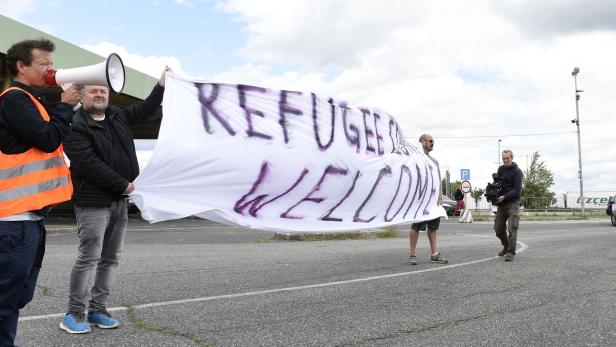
column 364, row 134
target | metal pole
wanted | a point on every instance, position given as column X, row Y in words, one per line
column 498, row 162
column 447, row 184
column 575, row 72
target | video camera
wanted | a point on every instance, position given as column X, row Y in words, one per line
column 494, row 189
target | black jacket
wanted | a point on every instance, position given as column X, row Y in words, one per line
column 21, row 126
column 511, row 181
column 459, row 195
column 96, row 161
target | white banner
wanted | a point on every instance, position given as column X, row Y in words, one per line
column 282, row 160
column 596, row 200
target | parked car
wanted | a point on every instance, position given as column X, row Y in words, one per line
column 610, row 209
column 449, row 205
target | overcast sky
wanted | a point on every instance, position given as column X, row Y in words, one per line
column 468, row 72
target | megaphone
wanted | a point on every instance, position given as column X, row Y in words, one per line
column 109, row 73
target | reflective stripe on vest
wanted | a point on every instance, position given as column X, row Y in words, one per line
column 34, row 179
column 30, row 168
column 23, row 191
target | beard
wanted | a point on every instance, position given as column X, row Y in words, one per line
column 95, row 109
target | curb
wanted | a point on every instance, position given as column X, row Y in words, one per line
column 51, row 230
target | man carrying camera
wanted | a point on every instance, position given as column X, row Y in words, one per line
column 508, row 205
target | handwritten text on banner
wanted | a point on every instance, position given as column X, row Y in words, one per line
column 282, row 160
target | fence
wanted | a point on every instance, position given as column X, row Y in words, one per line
column 557, row 203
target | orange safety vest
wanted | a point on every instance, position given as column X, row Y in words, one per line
column 34, row 179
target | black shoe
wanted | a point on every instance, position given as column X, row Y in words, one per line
column 509, row 256
column 502, row 252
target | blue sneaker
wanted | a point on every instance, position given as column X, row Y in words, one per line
column 75, row 323
column 103, row 320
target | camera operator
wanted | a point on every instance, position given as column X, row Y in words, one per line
column 508, row 205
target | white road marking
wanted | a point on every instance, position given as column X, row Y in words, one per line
column 287, row 289
column 54, row 229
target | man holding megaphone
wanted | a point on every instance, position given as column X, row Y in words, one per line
column 103, row 166
column 33, row 175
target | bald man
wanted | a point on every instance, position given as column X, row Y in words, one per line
column 427, row 142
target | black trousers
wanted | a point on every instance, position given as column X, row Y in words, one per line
column 22, row 246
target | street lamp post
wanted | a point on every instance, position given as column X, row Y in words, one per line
column 498, row 162
column 575, row 72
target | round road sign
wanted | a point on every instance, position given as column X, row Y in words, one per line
column 466, row 186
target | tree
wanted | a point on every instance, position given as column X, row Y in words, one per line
column 454, row 185
column 536, row 184
column 477, row 194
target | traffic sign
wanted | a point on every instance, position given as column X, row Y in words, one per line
column 466, row 186
column 465, row 174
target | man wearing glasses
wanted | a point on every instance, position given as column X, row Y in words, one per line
column 33, row 174
column 427, row 143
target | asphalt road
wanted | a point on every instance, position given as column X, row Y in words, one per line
column 196, row 283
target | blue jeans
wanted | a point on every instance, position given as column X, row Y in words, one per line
column 22, row 246
column 101, row 240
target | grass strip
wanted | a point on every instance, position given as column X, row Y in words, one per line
column 150, row 327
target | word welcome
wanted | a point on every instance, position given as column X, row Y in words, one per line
column 252, row 203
